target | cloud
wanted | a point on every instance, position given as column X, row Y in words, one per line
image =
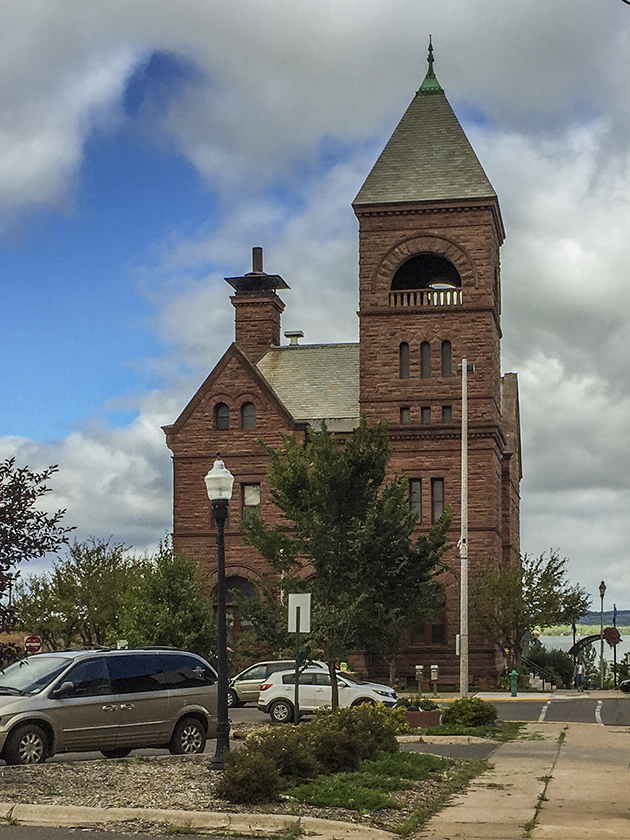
column 282, row 110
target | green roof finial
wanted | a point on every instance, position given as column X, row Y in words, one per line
column 430, row 83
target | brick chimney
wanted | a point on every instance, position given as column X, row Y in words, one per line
column 258, row 309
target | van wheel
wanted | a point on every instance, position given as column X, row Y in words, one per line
column 281, row 711
column 232, row 698
column 188, row 738
column 27, row 744
column 120, row 753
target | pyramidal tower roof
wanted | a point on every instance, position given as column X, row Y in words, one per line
column 428, row 157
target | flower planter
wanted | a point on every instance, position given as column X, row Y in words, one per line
column 420, row 720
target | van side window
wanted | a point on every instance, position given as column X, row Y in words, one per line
column 89, row 678
column 135, row 672
column 182, row 671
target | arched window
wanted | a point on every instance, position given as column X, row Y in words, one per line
column 425, row 360
column 248, row 416
column 222, row 416
column 403, row 360
column 447, row 358
column 426, row 271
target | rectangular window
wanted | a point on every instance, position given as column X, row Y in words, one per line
column 437, row 498
column 425, row 415
column 438, row 636
column 251, row 500
column 405, row 416
column 447, row 414
column 415, row 497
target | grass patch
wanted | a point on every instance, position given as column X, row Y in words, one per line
column 500, row 731
column 354, row 791
column 407, row 765
column 367, row 791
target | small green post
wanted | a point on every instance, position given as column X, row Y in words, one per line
column 513, row 681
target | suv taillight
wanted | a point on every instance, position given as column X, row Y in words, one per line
column 265, row 686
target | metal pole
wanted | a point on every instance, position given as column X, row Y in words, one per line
column 296, row 695
column 602, row 592
column 463, row 604
column 220, row 512
column 615, row 648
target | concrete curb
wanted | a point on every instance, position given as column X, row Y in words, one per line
column 250, row 825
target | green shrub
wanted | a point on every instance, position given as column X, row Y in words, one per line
column 470, row 711
column 335, row 751
column 416, row 704
column 374, row 728
column 288, row 750
column 248, row 779
column 334, row 742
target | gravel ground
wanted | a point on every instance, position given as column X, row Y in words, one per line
column 175, row 782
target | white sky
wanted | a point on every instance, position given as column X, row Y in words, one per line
column 147, row 145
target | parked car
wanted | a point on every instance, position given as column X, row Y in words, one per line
column 244, row 687
column 107, row 700
column 624, row 685
column 277, row 694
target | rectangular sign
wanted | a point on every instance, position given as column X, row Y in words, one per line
column 300, row 604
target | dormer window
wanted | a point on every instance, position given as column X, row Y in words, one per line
column 222, row 416
column 248, row 416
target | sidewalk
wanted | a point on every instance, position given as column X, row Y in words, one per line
column 572, row 785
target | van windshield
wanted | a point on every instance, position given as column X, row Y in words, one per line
column 33, row 674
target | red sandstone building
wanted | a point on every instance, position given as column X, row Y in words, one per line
column 430, row 230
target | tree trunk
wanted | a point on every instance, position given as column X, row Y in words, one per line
column 392, row 669
column 334, row 700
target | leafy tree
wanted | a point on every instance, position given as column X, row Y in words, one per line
column 507, row 604
column 79, row 602
column 346, row 536
column 166, row 606
column 26, row 531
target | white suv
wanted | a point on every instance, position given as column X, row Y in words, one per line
column 277, row 694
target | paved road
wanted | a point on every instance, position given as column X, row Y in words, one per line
column 609, row 711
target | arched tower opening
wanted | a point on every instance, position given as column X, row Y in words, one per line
column 426, row 271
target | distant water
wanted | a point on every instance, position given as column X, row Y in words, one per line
column 565, row 642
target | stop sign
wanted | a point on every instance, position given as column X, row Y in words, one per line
column 32, row 644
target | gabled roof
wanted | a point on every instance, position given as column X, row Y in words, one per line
column 233, row 352
column 316, row 382
column 428, row 157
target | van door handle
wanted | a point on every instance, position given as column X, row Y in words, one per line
column 126, row 705
column 109, row 708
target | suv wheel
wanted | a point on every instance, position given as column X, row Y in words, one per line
column 27, row 744
column 189, row 737
column 232, row 698
column 281, row 711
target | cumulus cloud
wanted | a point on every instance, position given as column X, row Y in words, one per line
column 282, row 119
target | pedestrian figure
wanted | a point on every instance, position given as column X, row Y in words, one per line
column 579, row 675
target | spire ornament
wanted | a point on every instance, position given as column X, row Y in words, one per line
column 430, row 83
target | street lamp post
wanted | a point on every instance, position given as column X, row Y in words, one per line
column 602, row 592
column 465, row 368
column 219, row 483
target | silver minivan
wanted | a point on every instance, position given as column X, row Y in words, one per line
column 113, row 701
